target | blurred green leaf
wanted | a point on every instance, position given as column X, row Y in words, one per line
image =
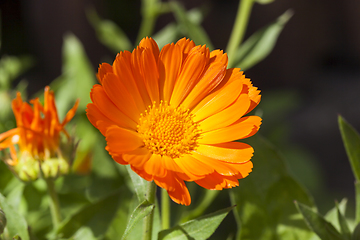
column 141, row 211
column 261, row 43
column 77, row 79
column 199, row 228
column 2, row 221
column 265, row 198
column 324, row 229
column 16, row 223
column 264, row 1
column 11, row 67
column 108, row 32
column 356, row 233
column 166, row 35
column 191, row 28
column 345, row 231
column 97, row 216
column 357, row 202
column 351, row 140
column 14, row 197
column 84, row 233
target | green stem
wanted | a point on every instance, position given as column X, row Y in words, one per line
column 357, row 200
column 236, row 214
column 149, row 219
column 239, row 28
column 165, row 209
column 54, row 203
column 149, row 11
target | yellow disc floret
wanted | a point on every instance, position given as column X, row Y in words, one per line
column 168, row 131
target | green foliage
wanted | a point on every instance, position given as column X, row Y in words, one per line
column 199, row 228
column 261, row 43
column 16, row 223
column 264, row 199
column 324, row 229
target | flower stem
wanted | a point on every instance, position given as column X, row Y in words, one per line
column 165, row 209
column 54, row 203
column 149, row 219
column 149, row 10
column 237, row 34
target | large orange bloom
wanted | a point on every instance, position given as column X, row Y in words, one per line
column 38, row 130
column 173, row 114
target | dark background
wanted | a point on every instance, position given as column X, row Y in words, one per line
column 313, row 71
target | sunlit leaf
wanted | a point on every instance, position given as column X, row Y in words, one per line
column 324, row 229
column 199, row 228
column 264, row 1
column 11, row 67
column 16, row 223
column 260, row 44
column 351, row 140
column 332, row 215
column 141, row 211
column 265, row 198
column 191, row 28
column 139, row 183
column 345, row 231
column 108, row 32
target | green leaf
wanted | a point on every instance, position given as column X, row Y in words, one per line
column 200, row 228
column 139, row 183
column 351, row 140
column 97, row 216
column 332, row 215
column 16, row 223
column 108, row 32
column 356, row 233
column 84, row 233
column 345, row 231
column 357, row 202
column 191, row 28
column 11, row 67
column 261, row 43
column 77, row 79
column 324, row 229
column 264, row 1
column 141, row 211
column 265, row 199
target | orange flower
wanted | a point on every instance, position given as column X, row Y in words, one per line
column 173, row 114
column 38, row 130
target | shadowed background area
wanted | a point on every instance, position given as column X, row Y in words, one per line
column 311, row 76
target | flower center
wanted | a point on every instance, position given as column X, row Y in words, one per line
column 168, row 131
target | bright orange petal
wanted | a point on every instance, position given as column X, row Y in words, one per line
column 175, row 187
column 227, row 116
column 118, row 94
column 170, row 61
column 243, row 128
column 95, row 116
column 216, row 181
column 150, row 44
column 120, row 140
column 233, row 152
column 138, row 157
column 71, row 113
column 193, row 168
column 107, row 107
column 142, row 173
column 151, row 74
column 154, row 167
column 185, row 45
column 218, row 100
column 103, row 70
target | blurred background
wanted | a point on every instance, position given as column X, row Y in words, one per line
column 311, row 76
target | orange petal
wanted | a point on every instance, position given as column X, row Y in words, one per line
column 223, row 168
column 193, row 168
column 211, row 78
column 154, row 166
column 216, row 181
column 107, row 107
column 119, row 159
column 151, row 45
column 175, row 187
column 120, row 140
column 219, row 56
column 71, row 113
column 220, row 99
column 122, row 68
column 118, row 94
column 103, row 70
column 243, row 128
column 190, row 74
column 150, row 74
column 253, row 93
column 142, row 173
column 138, row 157
column 233, row 152
column 243, row 168
column 227, row 116
column 95, row 115
column 185, row 45
column 169, row 64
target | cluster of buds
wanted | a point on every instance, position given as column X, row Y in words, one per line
column 35, row 146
